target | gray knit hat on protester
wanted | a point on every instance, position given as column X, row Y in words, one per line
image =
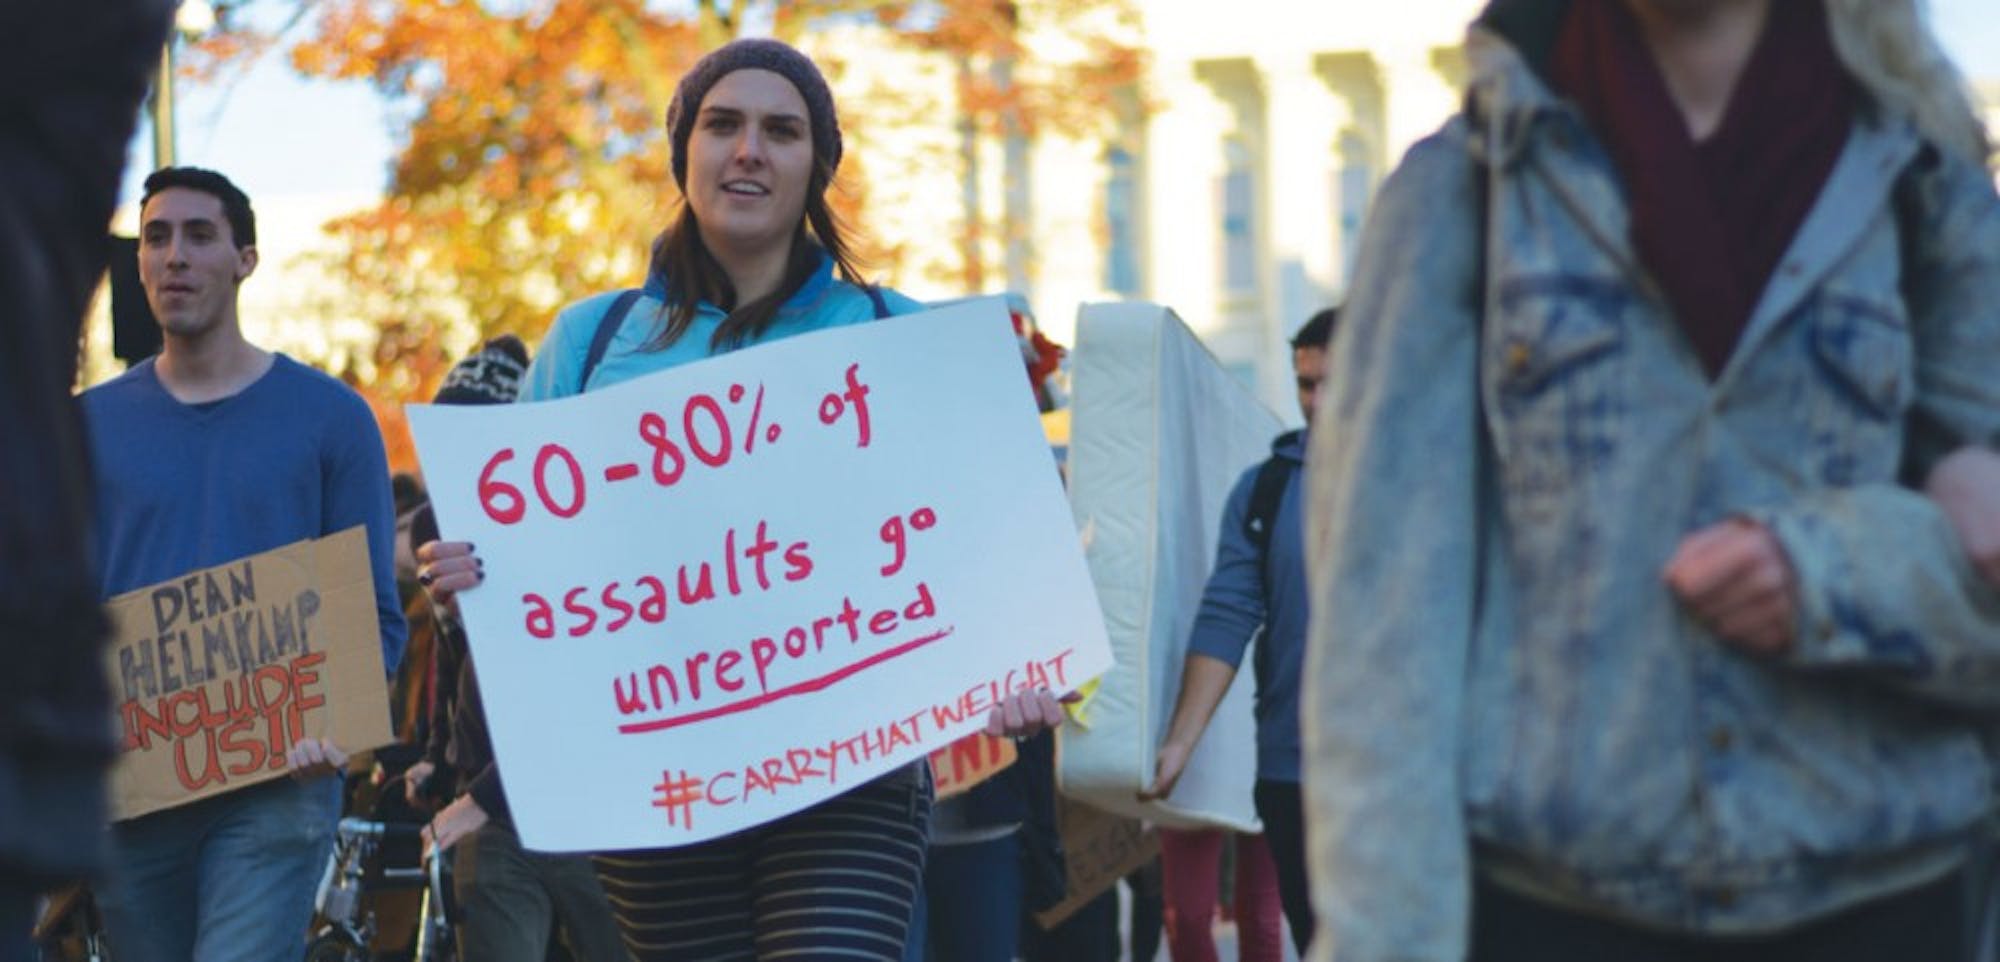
column 753, row 53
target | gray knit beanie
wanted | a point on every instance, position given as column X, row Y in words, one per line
column 753, row 53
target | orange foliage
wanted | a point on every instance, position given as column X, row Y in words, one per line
column 534, row 165
column 396, row 439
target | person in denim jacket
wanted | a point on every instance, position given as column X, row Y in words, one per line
column 1655, row 610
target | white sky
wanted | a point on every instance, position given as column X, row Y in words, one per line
column 277, row 134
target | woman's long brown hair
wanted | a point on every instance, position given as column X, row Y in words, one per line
column 692, row 275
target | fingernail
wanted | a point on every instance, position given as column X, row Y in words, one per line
column 480, row 575
column 424, row 579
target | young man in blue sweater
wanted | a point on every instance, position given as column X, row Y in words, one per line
column 1259, row 592
column 213, row 450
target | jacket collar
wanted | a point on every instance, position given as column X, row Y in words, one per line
column 804, row 298
column 1517, row 120
column 1508, row 95
column 1529, row 26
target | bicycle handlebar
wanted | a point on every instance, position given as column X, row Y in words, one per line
column 361, row 828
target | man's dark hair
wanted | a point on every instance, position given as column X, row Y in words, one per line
column 1317, row 331
column 235, row 203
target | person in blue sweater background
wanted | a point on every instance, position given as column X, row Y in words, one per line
column 1258, row 593
column 213, row 450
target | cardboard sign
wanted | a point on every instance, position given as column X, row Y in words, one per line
column 1099, row 848
column 970, row 760
column 217, row 673
column 721, row 593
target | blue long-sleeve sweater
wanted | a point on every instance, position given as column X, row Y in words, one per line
column 180, row 487
column 1234, row 608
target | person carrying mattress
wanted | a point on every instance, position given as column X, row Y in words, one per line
column 1257, row 591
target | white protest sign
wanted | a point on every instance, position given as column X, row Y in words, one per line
column 721, row 593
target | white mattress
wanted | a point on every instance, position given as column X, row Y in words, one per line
column 1159, row 433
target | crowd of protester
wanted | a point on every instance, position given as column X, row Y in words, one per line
column 1633, row 591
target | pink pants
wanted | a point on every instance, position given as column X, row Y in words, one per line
column 1190, row 862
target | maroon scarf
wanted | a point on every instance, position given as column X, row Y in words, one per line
column 1711, row 220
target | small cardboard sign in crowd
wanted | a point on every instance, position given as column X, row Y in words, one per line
column 218, row 672
column 970, row 761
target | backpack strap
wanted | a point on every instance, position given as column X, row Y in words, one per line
column 614, row 317
column 1267, row 493
column 607, row 328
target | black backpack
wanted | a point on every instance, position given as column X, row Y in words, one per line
column 1266, row 494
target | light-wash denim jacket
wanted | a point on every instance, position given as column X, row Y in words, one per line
column 1497, row 677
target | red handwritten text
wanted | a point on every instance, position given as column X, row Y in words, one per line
column 259, row 715
column 904, row 738
column 703, row 431
column 615, row 605
column 835, row 404
column 725, row 672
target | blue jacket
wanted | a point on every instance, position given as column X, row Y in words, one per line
column 823, row 301
column 1236, row 605
column 1497, row 677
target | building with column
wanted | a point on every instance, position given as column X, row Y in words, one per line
column 1231, row 189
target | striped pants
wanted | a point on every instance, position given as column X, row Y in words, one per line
column 834, row 881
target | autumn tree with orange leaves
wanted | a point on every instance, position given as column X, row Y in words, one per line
column 534, row 166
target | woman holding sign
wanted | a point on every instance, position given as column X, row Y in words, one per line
column 754, row 254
